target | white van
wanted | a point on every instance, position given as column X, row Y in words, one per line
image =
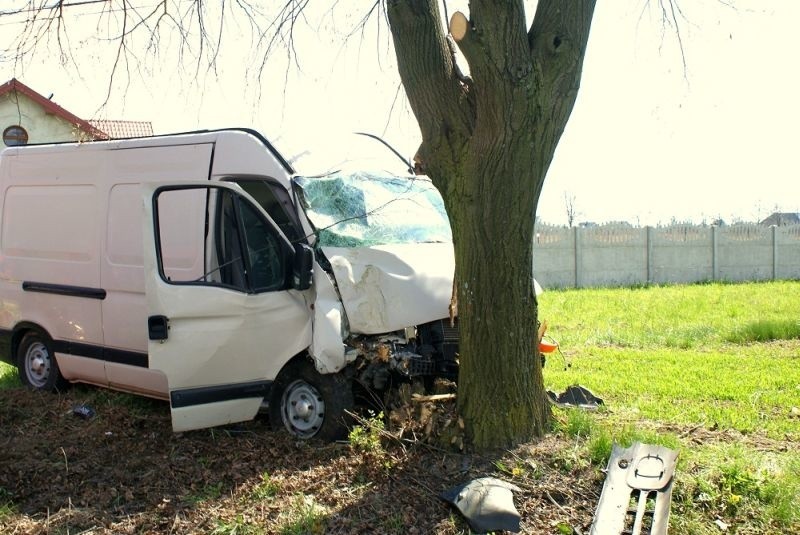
column 200, row 269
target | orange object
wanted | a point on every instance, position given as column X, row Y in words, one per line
column 547, row 346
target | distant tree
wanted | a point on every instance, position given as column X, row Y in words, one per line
column 569, row 206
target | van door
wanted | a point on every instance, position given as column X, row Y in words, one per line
column 222, row 317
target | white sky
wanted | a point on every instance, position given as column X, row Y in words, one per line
column 645, row 144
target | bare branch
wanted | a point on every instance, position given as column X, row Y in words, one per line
column 672, row 18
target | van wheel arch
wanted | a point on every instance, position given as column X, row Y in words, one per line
column 317, row 403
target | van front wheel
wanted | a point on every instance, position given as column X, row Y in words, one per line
column 309, row 404
column 37, row 363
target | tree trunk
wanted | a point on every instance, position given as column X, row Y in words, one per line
column 501, row 391
column 487, row 144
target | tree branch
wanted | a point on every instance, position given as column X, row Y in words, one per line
column 437, row 98
column 496, row 43
column 558, row 38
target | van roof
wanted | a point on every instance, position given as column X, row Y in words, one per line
column 188, row 137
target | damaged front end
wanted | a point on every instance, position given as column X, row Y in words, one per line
column 384, row 243
column 426, row 352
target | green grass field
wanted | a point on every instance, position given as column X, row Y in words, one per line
column 712, row 370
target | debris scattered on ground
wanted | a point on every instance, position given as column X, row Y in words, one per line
column 487, row 504
column 637, row 491
column 430, row 418
column 83, row 411
column 575, row 396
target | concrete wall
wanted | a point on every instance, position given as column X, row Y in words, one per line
column 625, row 256
column 41, row 127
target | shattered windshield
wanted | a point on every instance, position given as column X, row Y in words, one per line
column 363, row 209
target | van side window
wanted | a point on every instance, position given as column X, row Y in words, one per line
column 275, row 200
column 242, row 250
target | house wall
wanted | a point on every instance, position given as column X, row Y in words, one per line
column 42, row 127
column 626, row 256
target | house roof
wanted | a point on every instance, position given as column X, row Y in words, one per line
column 123, row 129
column 15, row 86
column 782, row 218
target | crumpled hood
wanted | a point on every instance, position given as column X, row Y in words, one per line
column 389, row 287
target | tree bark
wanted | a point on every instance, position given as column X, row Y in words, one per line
column 487, row 144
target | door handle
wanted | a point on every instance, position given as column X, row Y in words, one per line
column 158, row 327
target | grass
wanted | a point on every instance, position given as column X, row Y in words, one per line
column 719, row 361
column 305, row 517
column 711, row 370
column 6, row 505
column 266, row 488
column 9, row 378
column 681, row 317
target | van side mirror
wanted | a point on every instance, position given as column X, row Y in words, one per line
column 303, row 269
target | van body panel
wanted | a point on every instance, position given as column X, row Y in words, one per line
column 229, row 411
column 327, row 347
column 137, row 380
column 389, row 287
column 122, row 272
column 86, row 369
column 240, row 154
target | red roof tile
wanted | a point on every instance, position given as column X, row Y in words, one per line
column 123, row 129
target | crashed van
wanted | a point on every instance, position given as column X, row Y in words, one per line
column 201, row 269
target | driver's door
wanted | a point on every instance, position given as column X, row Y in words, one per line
column 222, row 317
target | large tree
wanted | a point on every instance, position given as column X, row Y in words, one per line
column 487, row 141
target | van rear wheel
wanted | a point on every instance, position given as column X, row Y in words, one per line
column 37, row 363
column 309, row 404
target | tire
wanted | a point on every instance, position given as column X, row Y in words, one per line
column 37, row 364
column 309, row 404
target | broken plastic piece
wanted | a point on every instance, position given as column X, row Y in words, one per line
column 84, row 411
column 487, row 504
column 637, row 492
column 575, row 396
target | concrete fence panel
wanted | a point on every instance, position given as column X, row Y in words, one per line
column 681, row 254
column 620, row 255
column 787, row 252
column 611, row 256
column 554, row 256
column 744, row 253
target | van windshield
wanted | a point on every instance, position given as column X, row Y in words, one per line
column 363, row 209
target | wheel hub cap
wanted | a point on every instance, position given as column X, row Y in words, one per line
column 37, row 364
column 303, row 409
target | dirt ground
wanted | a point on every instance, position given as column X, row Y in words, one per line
column 124, row 471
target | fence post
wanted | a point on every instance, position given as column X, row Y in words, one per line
column 649, row 237
column 714, row 252
column 774, row 229
column 576, row 256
